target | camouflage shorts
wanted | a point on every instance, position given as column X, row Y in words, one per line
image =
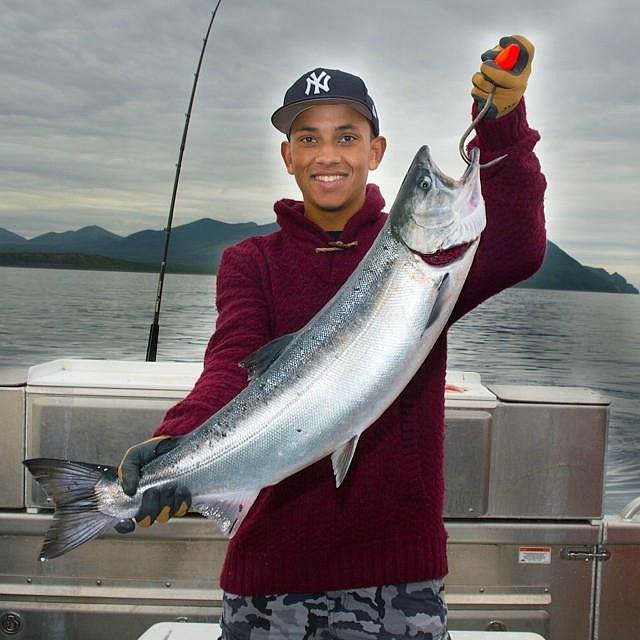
column 415, row 610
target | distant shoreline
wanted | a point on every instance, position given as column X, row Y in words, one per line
column 96, row 269
column 197, row 249
column 83, row 262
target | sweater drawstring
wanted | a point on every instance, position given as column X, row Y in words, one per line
column 338, row 245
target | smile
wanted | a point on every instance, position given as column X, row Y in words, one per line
column 328, row 178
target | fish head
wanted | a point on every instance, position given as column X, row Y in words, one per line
column 433, row 212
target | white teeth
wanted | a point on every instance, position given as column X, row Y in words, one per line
column 328, row 178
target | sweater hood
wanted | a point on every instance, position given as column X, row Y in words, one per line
column 290, row 216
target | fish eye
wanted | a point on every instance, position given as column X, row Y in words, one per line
column 425, row 183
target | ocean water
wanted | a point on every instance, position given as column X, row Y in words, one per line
column 520, row 336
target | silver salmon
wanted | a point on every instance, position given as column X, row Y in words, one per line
column 311, row 393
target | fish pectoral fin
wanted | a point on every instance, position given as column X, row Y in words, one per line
column 341, row 459
column 259, row 361
column 442, row 297
column 228, row 511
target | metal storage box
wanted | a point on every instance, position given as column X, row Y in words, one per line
column 93, row 410
column 115, row 587
column 12, row 409
column 514, row 576
column 467, row 462
column 548, row 453
column 618, row 579
column 524, row 452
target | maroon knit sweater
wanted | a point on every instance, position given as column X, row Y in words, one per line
column 384, row 524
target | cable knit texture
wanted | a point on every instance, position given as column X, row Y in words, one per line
column 384, row 524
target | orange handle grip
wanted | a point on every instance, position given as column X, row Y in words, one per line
column 508, row 57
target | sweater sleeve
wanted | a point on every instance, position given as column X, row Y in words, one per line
column 513, row 244
column 242, row 326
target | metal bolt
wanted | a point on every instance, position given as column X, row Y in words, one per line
column 496, row 625
column 29, row 580
column 10, row 623
column 167, row 584
column 481, row 589
column 99, row 582
column 546, row 589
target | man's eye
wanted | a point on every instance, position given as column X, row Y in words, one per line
column 348, row 138
column 307, row 139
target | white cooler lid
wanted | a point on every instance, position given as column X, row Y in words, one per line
column 475, row 394
column 181, row 376
column 115, row 374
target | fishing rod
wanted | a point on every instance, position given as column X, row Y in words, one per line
column 154, row 331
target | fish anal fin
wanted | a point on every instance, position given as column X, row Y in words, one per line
column 341, row 459
column 259, row 361
column 227, row 511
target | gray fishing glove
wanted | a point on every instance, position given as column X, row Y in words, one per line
column 158, row 504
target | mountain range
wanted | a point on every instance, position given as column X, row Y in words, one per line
column 196, row 247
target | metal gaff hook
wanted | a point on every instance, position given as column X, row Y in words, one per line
column 470, row 128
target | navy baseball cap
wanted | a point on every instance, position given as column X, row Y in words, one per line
column 325, row 86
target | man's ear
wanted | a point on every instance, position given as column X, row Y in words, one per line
column 378, row 147
column 285, row 152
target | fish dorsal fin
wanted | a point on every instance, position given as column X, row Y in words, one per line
column 259, row 361
column 341, row 459
column 228, row 511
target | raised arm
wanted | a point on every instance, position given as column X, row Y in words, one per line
column 513, row 243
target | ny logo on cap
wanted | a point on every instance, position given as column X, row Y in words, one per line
column 318, row 83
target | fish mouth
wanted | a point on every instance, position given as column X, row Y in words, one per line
column 424, row 160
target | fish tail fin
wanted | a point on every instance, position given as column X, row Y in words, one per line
column 72, row 487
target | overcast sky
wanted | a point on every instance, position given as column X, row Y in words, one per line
column 94, row 94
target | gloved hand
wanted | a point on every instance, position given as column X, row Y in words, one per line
column 158, row 504
column 510, row 84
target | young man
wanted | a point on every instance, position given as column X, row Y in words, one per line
column 366, row 560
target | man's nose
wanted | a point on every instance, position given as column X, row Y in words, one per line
column 328, row 153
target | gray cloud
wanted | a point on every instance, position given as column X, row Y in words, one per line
column 94, row 96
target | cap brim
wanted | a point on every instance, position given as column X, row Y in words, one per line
column 283, row 118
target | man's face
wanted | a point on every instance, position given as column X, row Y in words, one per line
column 330, row 152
